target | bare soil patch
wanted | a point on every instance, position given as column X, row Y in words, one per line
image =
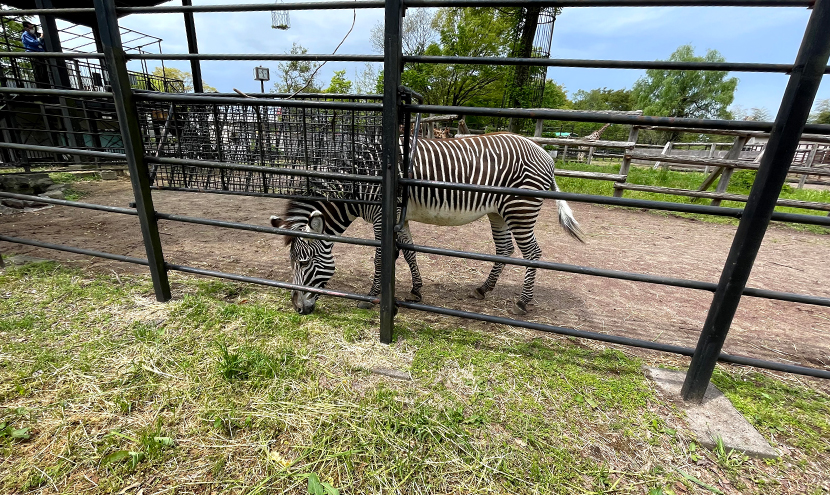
column 618, row 239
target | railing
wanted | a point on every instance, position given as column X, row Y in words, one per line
column 809, row 66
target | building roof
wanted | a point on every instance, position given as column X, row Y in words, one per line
column 83, row 19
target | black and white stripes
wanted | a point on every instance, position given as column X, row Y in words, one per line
column 502, row 159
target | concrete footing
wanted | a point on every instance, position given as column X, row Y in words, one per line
column 715, row 418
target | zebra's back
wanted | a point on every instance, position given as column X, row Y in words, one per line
column 499, row 159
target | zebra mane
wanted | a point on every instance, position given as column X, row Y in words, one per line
column 296, row 215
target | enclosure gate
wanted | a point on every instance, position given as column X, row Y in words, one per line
column 324, row 148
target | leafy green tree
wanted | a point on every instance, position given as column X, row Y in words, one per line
column 686, row 93
column 555, row 96
column 297, row 75
column 603, row 99
column 339, row 84
column 822, row 114
column 179, row 75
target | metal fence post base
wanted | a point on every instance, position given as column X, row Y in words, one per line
column 772, row 173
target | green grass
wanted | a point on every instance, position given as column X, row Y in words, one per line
column 70, row 193
column 226, row 389
column 740, row 183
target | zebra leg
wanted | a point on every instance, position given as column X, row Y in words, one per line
column 504, row 247
column 526, row 240
column 376, row 279
column 405, row 236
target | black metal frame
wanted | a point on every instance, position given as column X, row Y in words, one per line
column 806, row 74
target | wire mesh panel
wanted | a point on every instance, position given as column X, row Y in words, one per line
column 345, row 141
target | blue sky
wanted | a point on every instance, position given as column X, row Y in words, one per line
column 768, row 35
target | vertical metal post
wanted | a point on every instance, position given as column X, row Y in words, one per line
column 772, row 172
column 133, row 147
column 392, row 67
column 60, row 76
column 193, row 47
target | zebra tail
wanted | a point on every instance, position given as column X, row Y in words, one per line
column 566, row 217
column 568, row 222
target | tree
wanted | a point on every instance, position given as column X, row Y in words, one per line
column 468, row 32
column 339, row 84
column 686, row 93
column 417, row 32
column 758, row 114
column 603, row 99
column 555, row 95
column 297, row 75
column 366, row 80
column 822, row 114
column 172, row 73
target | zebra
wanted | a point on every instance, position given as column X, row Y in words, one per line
column 496, row 159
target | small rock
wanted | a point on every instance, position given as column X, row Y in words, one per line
column 108, row 175
column 55, row 194
column 57, row 187
column 20, row 204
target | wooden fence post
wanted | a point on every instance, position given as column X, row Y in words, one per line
column 538, row 131
column 726, row 173
column 666, row 151
column 712, row 150
column 626, row 163
column 809, row 164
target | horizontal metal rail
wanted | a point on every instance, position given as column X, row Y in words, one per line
column 608, row 3
column 187, row 269
column 182, row 98
column 609, row 200
column 598, row 117
column 604, row 64
column 57, row 92
column 253, row 7
column 70, row 249
column 68, row 151
column 74, row 204
column 337, row 5
column 372, row 179
column 325, row 57
column 267, row 230
column 616, row 274
column 644, row 344
column 49, row 55
column 271, row 283
column 266, row 195
column 277, row 96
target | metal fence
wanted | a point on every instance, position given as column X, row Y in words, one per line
column 806, row 74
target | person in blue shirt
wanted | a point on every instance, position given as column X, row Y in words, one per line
column 33, row 42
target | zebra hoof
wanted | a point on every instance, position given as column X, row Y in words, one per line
column 414, row 297
column 519, row 308
column 365, row 305
column 477, row 293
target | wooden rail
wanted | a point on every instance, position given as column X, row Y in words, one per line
column 721, row 196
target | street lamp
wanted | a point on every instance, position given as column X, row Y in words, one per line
column 262, row 74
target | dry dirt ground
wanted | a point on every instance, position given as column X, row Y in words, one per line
column 617, row 239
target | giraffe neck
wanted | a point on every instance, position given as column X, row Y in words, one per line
column 596, row 134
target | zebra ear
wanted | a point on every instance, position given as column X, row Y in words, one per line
column 315, row 222
column 276, row 221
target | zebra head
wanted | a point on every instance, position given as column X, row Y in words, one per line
column 312, row 263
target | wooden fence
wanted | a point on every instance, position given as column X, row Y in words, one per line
column 811, row 160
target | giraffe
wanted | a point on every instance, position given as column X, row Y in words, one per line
column 592, row 137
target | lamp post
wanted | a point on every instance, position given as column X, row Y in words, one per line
column 262, row 74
